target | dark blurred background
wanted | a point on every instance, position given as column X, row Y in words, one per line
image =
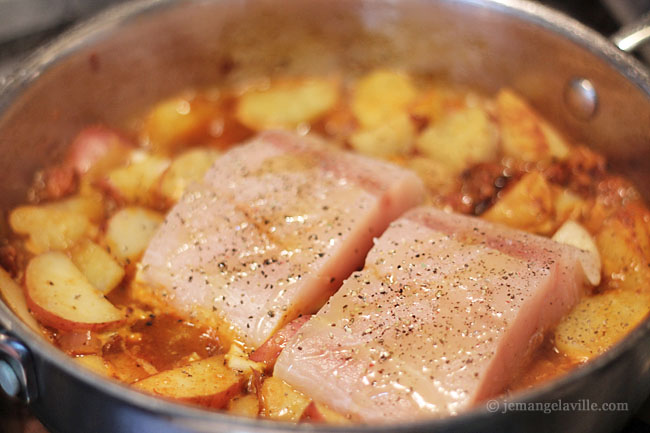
column 26, row 24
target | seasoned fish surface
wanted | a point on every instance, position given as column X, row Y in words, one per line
column 444, row 313
column 271, row 233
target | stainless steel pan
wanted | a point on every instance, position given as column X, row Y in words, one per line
column 113, row 67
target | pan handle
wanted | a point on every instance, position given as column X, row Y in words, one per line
column 633, row 35
column 16, row 369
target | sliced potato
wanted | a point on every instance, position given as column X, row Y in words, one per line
column 524, row 133
column 188, row 167
column 177, row 121
column 97, row 265
column 280, row 401
column 381, row 95
column 134, row 183
column 624, row 244
column 208, row 382
column 97, row 149
column 61, row 296
column 49, row 228
column 126, row 367
column 528, row 205
column 238, row 360
column 569, row 206
column 436, row 176
column 245, row 405
column 557, row 145
column 287, row 104
column 393, row 137
column 94, row 363
column 58, row 225
column 572, row 233
column 318, row 412
column 600, row 321
column 435, row 103
column 129, row 232
column 14, row 297
column 460, row 139
column 88, row 202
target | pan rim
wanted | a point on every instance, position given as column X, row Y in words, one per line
column 119, row 16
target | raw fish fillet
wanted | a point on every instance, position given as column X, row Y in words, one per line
column 272, row 231
column 446, row 311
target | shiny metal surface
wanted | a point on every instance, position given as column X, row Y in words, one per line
column 21, row 17
column 627, row 13
column 581, row 98
column 633, row 36
column 115, row 66
column 9, row 382
column 18, row 378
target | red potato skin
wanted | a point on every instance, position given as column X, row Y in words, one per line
column 11, row 259
column 92, row 144
column 106, row 187
column 216, row 401
column 314, row 414
column 270, row 350
column 52, row 320
column 60, row 181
